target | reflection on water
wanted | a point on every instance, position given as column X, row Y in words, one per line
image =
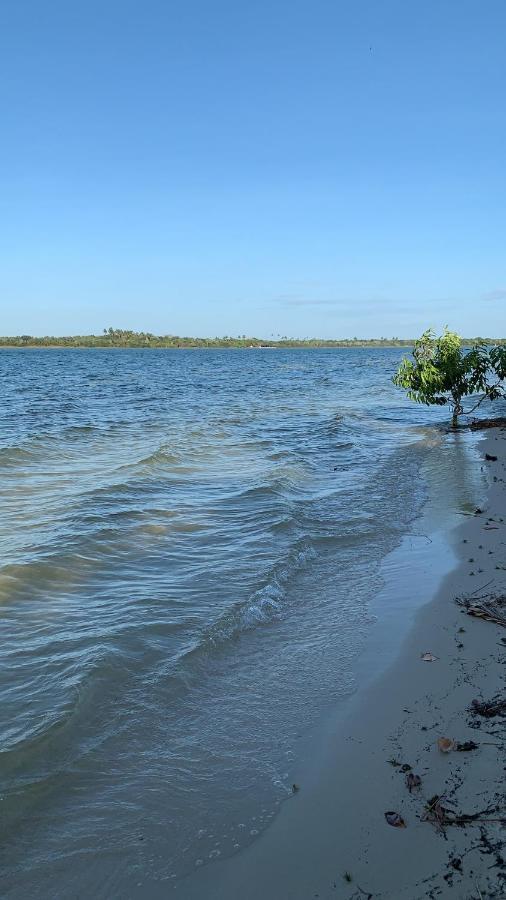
column 190, row 541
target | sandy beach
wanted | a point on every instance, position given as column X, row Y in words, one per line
column 332, row 839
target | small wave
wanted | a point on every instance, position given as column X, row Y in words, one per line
column 15, row 456
column 264, row 607
column 160, row 455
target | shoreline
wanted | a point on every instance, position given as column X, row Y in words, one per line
column 206, row 347
column 334, row 825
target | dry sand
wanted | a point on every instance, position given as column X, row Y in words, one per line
column 335, row 824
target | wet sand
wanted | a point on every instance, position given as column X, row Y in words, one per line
column 331, row 839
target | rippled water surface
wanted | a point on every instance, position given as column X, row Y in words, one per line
column 189, row 541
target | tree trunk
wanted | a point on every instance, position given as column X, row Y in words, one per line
column 456, row 411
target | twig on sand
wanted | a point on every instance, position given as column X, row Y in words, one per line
column 442, row 817
column 482, row 588
column 360, row 892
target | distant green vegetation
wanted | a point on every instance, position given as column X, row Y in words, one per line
column 120, row 337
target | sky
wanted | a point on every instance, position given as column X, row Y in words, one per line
column 326, row 168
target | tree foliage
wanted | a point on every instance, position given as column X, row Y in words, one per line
column 442, row 371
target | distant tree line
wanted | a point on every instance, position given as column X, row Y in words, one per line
column 121, row 337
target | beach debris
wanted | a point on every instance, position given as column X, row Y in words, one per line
column 492, row 608
column 428, row 656
column 413, row 781
column 490, row 458
column 489, row 708
column 395, row 819
column 464, row 746
column 435, row 812
column 445, row 745
column 441, row 816
column 480, row 424
column 403, row 767
column 359, row 893
column 483, row 815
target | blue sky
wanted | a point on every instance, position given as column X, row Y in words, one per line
column 297, row 168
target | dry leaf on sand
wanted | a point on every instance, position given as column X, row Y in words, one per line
column 413, row 781
column 445, row 744
column 395, row 819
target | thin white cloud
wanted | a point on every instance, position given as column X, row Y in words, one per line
column 297, row 302
column 498, row 294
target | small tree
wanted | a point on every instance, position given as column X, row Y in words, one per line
column 444, row 372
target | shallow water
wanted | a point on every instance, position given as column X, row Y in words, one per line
column 190, row 542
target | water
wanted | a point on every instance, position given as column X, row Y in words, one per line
column 189, row 545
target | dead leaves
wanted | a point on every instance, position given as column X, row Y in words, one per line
column 413, row 781
column 484, row 612
column 489, row 708
column 403, row 767
column 435, row 812
column 445, row 745
column 492, row 608
column 395, row 819
column 465, row 746
column 441, row 816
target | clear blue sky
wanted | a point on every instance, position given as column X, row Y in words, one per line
column 271, row 167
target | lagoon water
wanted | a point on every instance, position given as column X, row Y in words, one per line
column 190, row 541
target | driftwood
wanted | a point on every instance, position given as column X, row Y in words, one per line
column 482, row 424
